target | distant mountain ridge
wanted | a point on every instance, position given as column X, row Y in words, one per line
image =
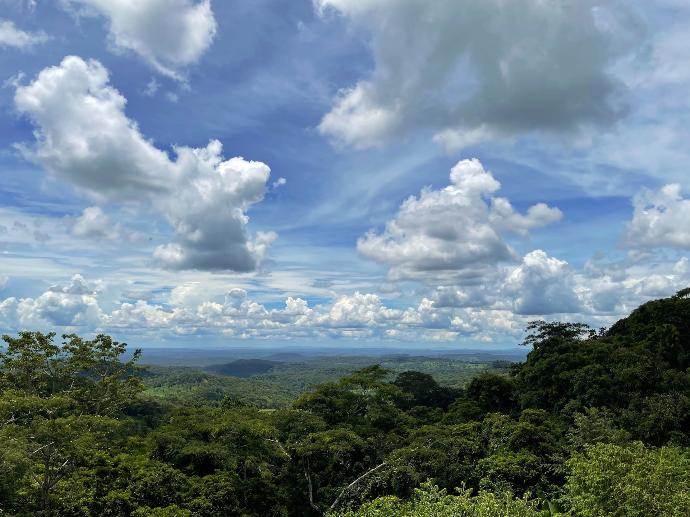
column 243, row 367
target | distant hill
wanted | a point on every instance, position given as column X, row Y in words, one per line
column 243, row 367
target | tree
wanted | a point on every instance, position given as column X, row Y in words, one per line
column 429, row 501
column 61, row 408
column 101, row 381
column 33, row 364
column 446, row 454
column 632, row 480
column 492, row 392
column 91, row 372
column 362, row 399
column 423, row 391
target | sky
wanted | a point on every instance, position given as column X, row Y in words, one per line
column 342, row 172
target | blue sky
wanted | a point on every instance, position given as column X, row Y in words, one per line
column 340, row 171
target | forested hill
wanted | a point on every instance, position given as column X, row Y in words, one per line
column 593, row 423
column 243, row 367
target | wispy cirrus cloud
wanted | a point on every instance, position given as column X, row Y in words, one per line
column 12, row 36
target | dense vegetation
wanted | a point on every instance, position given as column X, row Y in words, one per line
column 286, row 381
column 593, row 423
column 243, row 367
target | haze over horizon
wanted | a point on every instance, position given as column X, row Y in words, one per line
column 396, row 173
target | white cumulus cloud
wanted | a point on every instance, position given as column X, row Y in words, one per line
column 168, row 34
column 85, row 138
column 73, row 304
column 660, row 219
column 455, row 230
column 539, row 286
column 543, row 285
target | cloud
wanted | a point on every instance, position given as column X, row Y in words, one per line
column 29, row 5
column 543, row 285
column 469, row 70
column 454, row 231
column 660, row 219
column 209, row 214
column 85, row 138
column 477, row 294
column 359, row 310
column 358, row 315
column 278, row 183
column 539, row 286
column 151, row 88
column 93, row 223
column 168, row 34
column 452, row 240
column 11, row 36
column 41, row 237
column 73, row 304
column 537, row 216
column 618, row 287
column 77, row 286
column 666, row 54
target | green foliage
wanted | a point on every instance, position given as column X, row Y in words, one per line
column 423, row 390
column 632, row 481
column 637, row 369
column 286, row 382
column 59, row 407
column 429, row 501
column 243, row 367
column 90, row 373
column 363, row 399
column 492, row 393
column 187, row 386
column 299, row 377
column 168, row 511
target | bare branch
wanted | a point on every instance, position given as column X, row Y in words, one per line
column 311, row 491
column 41, row 447
column 360, row 478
